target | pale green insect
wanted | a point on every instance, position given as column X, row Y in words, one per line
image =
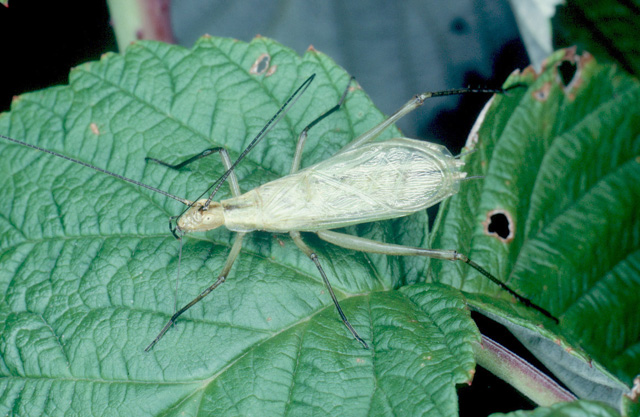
column 354, row 186
column 365, row 181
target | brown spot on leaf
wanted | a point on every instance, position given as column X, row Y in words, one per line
column 634, row 394
column 272, row 69
column 542, row 94
column 529, row 71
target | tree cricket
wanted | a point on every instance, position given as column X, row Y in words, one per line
column 365, row 181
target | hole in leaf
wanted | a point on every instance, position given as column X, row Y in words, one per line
column 261, row 64
column 567, row 70
column 499, row 224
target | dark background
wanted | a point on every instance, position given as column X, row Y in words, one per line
column 394, row 50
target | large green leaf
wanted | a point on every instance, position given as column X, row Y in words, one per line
column 561, row 160
column 88, row 267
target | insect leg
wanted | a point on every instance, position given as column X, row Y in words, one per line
column 295, row 166
column 226, row 161
column 284, row 109
column 186, row 162
column 233, row 254
column 307, row 250
column 367, row 245
column 408, row 107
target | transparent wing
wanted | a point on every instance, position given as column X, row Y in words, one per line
column 374, row 182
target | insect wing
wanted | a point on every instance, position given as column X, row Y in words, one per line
column 374, row 182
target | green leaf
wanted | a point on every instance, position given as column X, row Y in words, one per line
column 572, row 409
column 606, row 28
column 561, row 161
column 88, row 266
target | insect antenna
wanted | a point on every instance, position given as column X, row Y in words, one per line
column 505, row 287
column 473, row 177
column 95, row 168
column 465, row 153
column 284, row 109
column 458, row 91
column 175, row 295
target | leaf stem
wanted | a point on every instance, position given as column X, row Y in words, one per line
column 520, row 374
column 133, row 20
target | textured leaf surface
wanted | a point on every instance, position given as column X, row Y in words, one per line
column 606, row 28
column 87, row 266
column 562, row 164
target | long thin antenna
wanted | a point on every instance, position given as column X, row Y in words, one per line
column 284, row 109
column 95, row 168
column 505, row 287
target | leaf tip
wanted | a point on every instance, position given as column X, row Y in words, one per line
column 634, row 394
column 472, row 374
